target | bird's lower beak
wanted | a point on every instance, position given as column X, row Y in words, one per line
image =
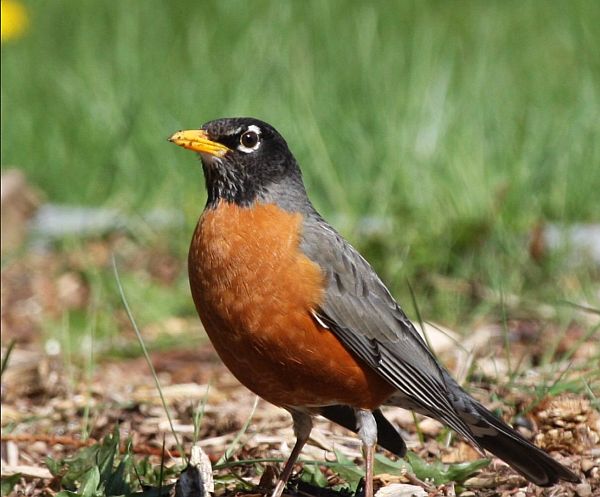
column 197, row 140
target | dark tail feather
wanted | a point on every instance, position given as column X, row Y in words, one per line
column 387, row 436
column 524, row 457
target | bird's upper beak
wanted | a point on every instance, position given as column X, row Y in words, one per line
column 198, row 141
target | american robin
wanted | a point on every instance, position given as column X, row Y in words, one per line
column 301, row 318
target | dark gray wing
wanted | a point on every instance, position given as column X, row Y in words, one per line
column 361, row 312
column 359, row 309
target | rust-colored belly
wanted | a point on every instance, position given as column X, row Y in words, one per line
column 254, row 291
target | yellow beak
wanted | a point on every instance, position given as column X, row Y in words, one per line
column 197, row 140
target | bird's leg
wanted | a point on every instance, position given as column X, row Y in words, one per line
column 367, row 431
column 302, row 429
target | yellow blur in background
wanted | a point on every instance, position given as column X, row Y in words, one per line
column 14, row 20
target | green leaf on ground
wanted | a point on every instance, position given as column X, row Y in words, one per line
column 435, row 471
column 384, row 464
column 441, row 473
column 106, row 454
column 101, row 470
column 90, row 482
column 347, row 470
column 8, row 483
column 313, row 475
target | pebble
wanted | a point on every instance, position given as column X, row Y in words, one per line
column 583, row 490
column 430, row 427
column 586, row 465
column 401, row 490
column 39, row 447
column 528, row 434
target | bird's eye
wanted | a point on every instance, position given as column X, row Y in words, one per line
column 249, row 139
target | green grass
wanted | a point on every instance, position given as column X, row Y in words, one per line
column 461, row 123
column 109, row 468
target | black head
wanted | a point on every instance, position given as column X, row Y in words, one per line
column 244, row 160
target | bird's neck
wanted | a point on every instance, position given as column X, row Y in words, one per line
column 225, row 185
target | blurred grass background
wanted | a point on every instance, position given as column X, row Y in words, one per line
column 449, row 129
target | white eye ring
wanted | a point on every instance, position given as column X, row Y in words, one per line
column 250, row 139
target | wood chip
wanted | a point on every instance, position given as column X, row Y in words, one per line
column 26, row 471
column 401, row 490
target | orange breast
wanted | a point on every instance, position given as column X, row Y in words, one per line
column 254, row 291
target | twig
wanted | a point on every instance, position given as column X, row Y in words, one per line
column 142, row 449
column 9, row 349
column 49, row 439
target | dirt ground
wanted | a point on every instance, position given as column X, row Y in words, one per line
column 51, row 407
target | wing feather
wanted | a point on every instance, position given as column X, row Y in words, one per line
column 359, row 309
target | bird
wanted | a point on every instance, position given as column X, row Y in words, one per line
column 303, row 320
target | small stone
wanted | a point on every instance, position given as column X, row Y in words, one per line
column 39, row 447
column 520, row 493
column 586, row 465
column 72, row 290
column 401, row 490
column 583, row 490
column 523, row 422
column 528, row 434
column 481, row 482
column 430, row 427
